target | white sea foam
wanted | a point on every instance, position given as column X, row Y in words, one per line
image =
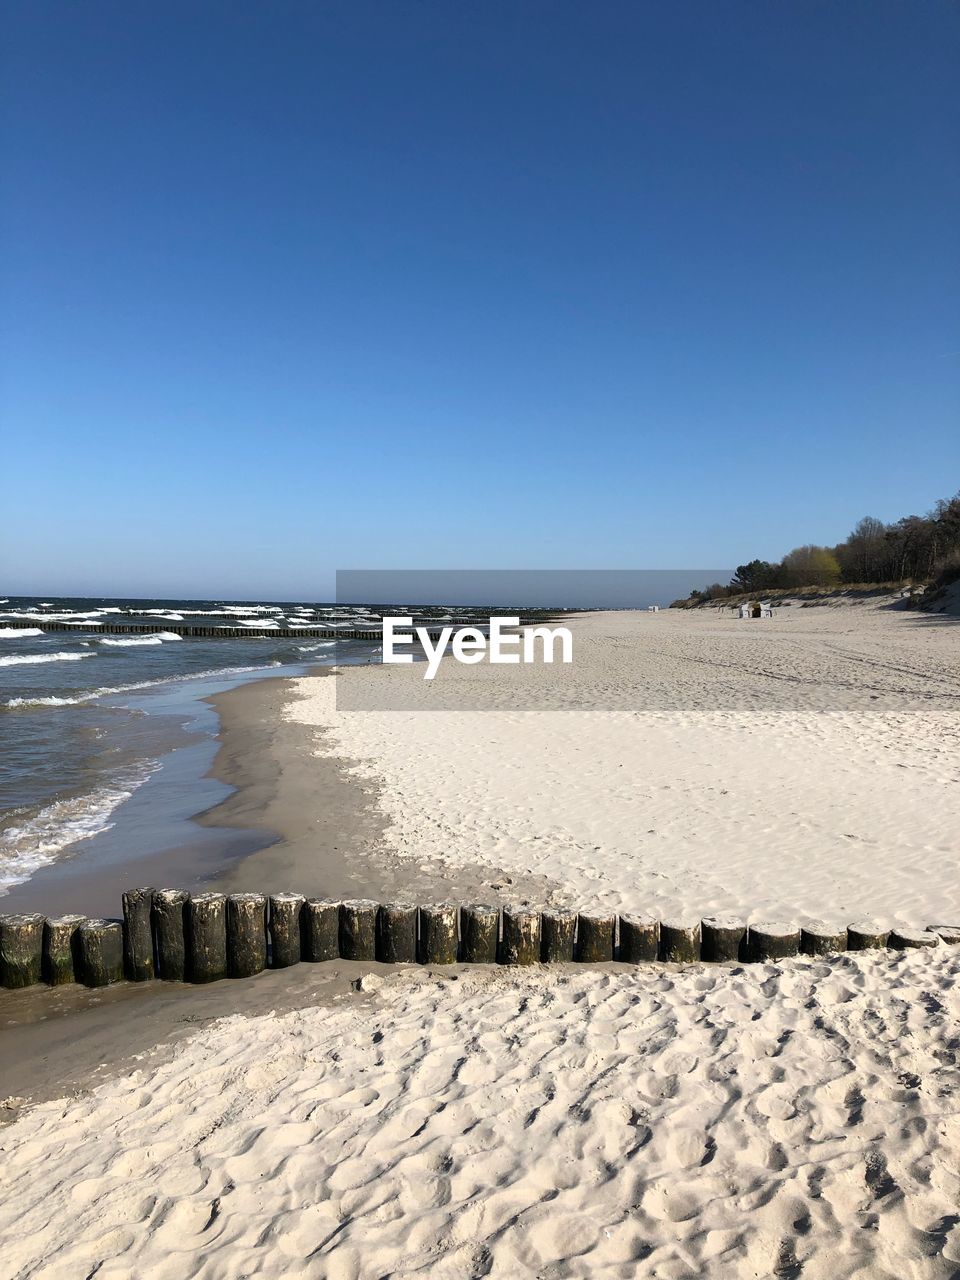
column 91, row 695
column 31, row 615
column 16, row 633
column 164, row 613
column 30, row 659
column 37, row 841
column 124, row 642
column 312, row 648
column 155, row 637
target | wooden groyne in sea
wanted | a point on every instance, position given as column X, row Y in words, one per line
column 204, row 631
column 173, row 935
column 225, row 632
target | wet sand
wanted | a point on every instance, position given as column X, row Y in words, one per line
column 325, row 824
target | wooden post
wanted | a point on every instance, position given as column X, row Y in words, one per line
column 168, row 910
column 479, row 934
column 905, row 939
column 100, row 952
column 206, row 937
column 319, row 930
column 358, row 929
column 285, row 911
column 773, row 941
column 438, row 934
column 59, row 949
column 723, row 939
column 680, row 940
column 21, row 950
column 138, row 964
column 866, row 935
column 246, row 934
column 639, row 939
column 521, row 936
column 558, row 929
column 397, row 934
column 818, row 938
column 595, row 938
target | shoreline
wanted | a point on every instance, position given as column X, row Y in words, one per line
column 329, row 833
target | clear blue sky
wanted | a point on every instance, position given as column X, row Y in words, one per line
column 291, row 287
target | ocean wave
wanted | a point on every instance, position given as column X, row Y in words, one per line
column 15, row 633
column 29, row 659
column 312, row 648
column 18, row 704
column 31, row 615
column 155, row 637
column 36, row 842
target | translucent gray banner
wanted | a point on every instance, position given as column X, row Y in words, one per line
column 424, row 639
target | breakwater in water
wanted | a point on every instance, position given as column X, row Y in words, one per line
column 171, row 935
column 204, row 631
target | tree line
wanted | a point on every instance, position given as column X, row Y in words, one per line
column 914, row 549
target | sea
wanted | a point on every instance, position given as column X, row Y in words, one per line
column 106, row 741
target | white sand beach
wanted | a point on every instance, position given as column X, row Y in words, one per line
column 799, row 766
column 798, row 1120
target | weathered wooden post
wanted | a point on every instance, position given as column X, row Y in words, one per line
column 819, row 938
column 558, row 930
column 438, row 934
column 358, row 929
column 909, row 939
column 639, row 939
column 320, row 930
column 100, row 952
column 773, row 941
column 206, row 937
column 521, row 936
column 168, row 911
column 867, row 935
column 59, row 949
column 595, row 938
column 722, row 939
column 138, row 962
column 285, row 911
column 397, row 933
column 680, row 940
column 246, row 934
column 479, row 934
column 21, row 949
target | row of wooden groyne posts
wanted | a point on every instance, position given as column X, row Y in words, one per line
column 207, row 631
column 369, row 631
column 202, row 937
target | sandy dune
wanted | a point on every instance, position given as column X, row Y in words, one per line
column 758, row 1121
column 802, row 766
